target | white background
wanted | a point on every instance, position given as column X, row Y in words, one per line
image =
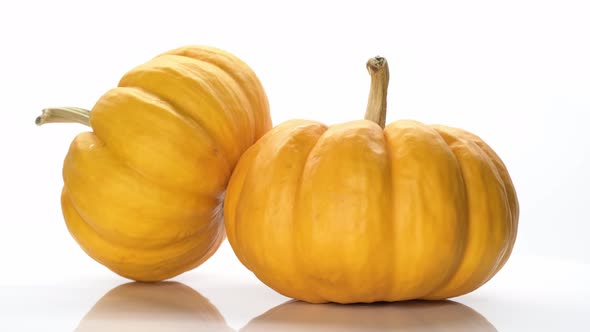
column 517, row 73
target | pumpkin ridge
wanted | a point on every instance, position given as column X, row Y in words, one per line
column 242, row 174
column 250, row 110
column 236, row 220
column 341, row 137
column 148, row 178
column 297, row 220
column 509, row 189
column 238, row 223
column 466, row 238
column 256, row 100
column 292, row 134
column 250, row 158
column 119, row 244
column 92, row 224
column 500, row 166
column 424, row 207
column 245, row 112
column 512, row 201
column 208, row 252
column 465, row 211
column 505, row 250
column 471, row 281
column 124, row 162
column 212, row 100
column 141, row 177
column 211, row 248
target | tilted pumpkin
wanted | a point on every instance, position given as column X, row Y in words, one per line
column 363, row 212
column 143, row 192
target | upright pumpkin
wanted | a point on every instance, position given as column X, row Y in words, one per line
column 363, row 212
column 143, row 191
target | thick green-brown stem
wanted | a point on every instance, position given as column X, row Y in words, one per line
column 377, row 105
column 64, row 114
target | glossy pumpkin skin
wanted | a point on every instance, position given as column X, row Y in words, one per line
column 143, row 191
column 357, row 213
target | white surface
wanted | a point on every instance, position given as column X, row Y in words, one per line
column 529, row 294
column 514, row 72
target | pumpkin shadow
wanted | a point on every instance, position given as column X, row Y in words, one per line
column 163, row 306
column 445, row 315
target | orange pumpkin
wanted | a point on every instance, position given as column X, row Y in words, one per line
column 363, row 212
column 143, row 191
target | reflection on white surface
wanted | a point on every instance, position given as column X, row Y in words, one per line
column 529, row 294
column 165, row 306
column 295, row 316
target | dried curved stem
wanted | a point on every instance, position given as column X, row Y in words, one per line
column 377, row 104
column 64, row 114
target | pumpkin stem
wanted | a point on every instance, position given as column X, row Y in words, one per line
column 377, row 105
column 64, row 114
